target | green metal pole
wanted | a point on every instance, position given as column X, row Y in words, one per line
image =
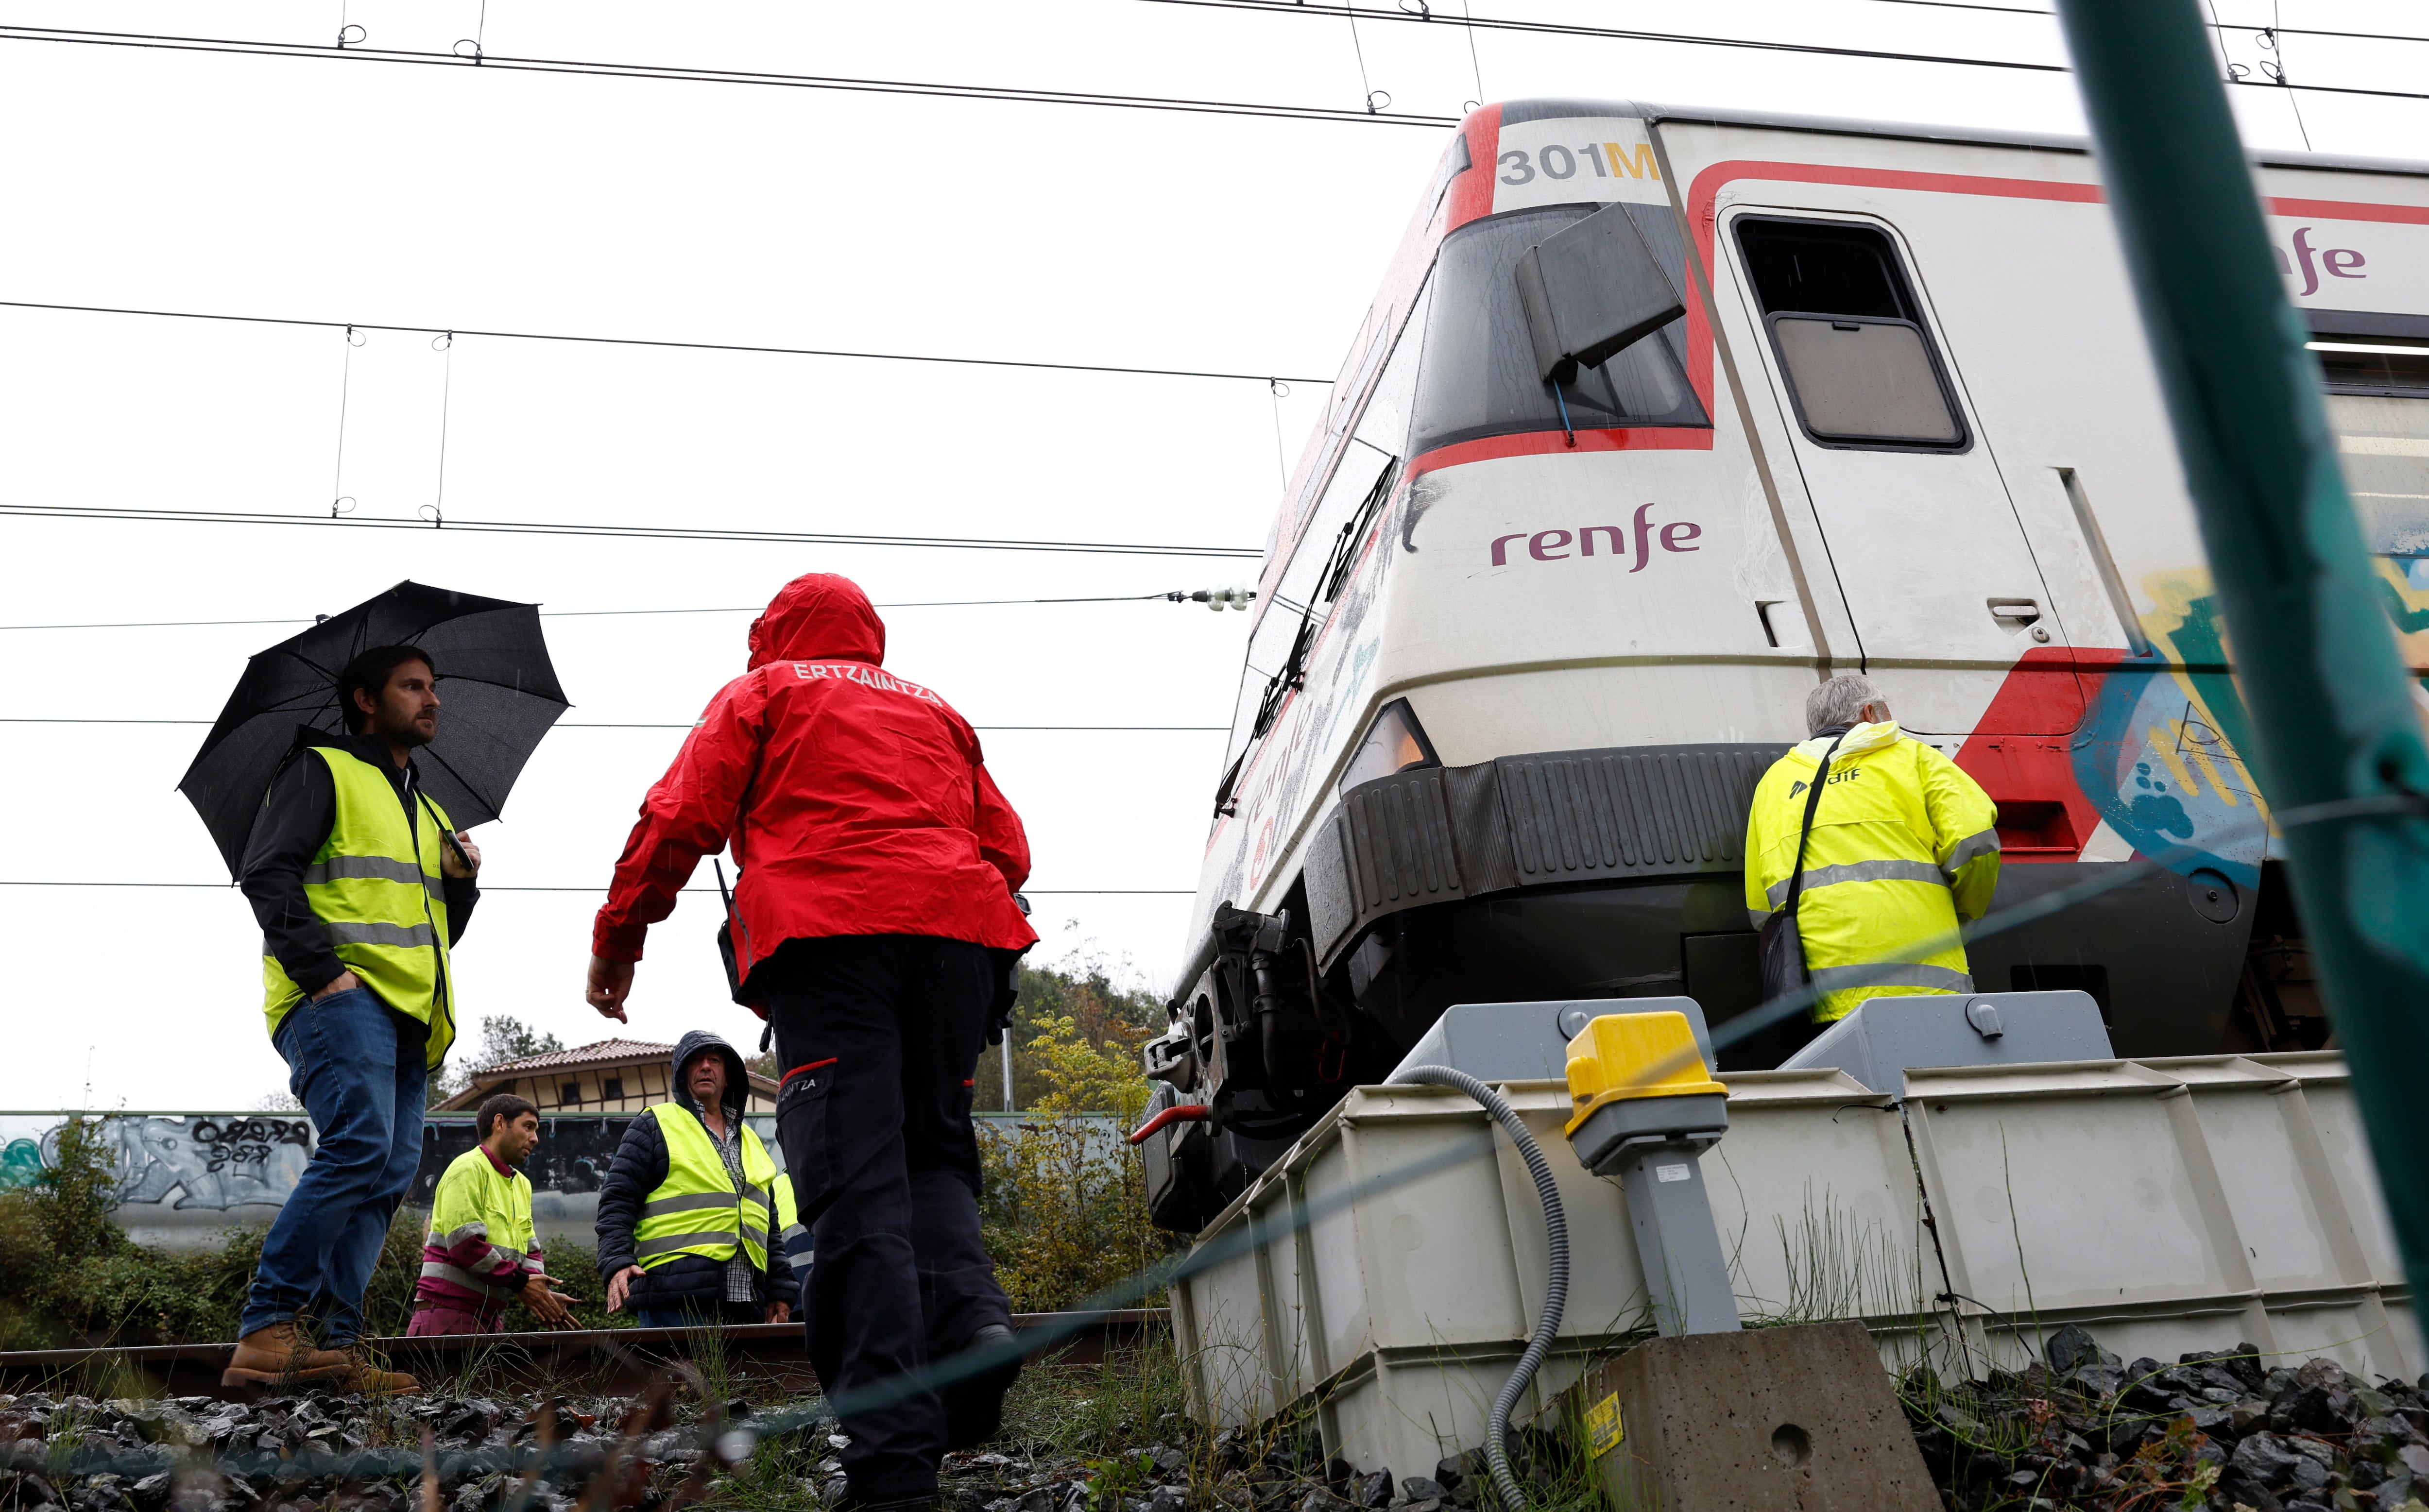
column 2341, row 752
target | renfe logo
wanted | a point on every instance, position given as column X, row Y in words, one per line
column 1552, row 545
column 2340, row 261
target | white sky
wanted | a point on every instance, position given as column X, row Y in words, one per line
column 380, row 192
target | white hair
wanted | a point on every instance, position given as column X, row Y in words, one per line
column 1841, row 701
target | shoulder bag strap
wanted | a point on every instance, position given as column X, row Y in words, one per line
column 1812, row 804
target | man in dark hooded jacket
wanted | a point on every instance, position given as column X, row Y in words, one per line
column 700, row 1269
column 871, row 921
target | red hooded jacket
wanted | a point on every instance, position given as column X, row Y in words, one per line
column 855, row 802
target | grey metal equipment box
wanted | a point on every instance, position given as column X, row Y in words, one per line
column 1884, row 1037
column 1530, row 1041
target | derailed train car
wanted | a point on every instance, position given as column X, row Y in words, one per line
column 1660, row 415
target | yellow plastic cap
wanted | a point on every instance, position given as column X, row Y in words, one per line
column 1611, row 1059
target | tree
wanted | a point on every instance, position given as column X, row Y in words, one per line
column 503, row 1038
column 1101, row 1014
column 506, row 1038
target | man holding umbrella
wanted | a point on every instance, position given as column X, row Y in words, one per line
column 333, row 799
column 360, row 884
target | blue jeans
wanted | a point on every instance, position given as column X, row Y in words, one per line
column 355, row 1065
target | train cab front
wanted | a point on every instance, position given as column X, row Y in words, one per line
column 1659, row 419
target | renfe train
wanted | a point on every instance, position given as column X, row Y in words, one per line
column 1660, row 415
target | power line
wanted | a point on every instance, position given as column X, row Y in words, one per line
column 1550, row 29
column 704, row 76
column 668, row 72
column 1316, row 7
column 2225, row 25
column 650, row 341
column 577, row 724
column 591, row 613
column 1033, row 891
column 655, row 532
column 1555, row 28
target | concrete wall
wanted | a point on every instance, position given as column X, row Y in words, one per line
column 185, row 1178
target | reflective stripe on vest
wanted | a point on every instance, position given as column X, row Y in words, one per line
column 457, row 1275
column 376, row 887
column 698, row 1209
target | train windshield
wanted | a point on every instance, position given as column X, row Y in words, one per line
column 1480, row 376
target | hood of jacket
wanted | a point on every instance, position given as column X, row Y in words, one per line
column 818, row 617
column 1858, row 739
column 737, row 1075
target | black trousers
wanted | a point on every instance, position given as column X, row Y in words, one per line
column 877, row 1039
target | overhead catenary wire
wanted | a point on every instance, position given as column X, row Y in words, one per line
column 591, row 614
column 179, row 42
column 650, row 533
column 1319, row 8
column 495, row 63
column 1559, row 29
column 2230, row 25
column 660, row 342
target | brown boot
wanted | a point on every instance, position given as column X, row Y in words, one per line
column 281, row 1353
column 372, row 1377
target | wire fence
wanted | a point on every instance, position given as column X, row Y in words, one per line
column 604, row 1475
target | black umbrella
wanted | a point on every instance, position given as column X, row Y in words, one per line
column 497, row 696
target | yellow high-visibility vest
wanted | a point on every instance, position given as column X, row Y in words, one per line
column 1905, row 845
column 475, row 1197
column 376, row 887
column 699, row 1209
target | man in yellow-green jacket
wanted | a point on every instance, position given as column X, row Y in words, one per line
column 694, row 1218
column 482, row 1250
column 361, row 886
column 1904, row 847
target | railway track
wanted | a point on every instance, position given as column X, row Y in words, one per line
column 592, row 1359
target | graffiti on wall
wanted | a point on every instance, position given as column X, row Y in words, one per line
column 215, row 1162
column 211, row 1161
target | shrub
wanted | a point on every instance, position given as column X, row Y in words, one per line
column 68, row 1275
column 1065, row 1212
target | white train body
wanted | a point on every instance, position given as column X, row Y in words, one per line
column 1907, row 426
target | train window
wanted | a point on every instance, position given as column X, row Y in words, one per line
column 2375, row 369
column 1591, row 291
column 2383, row 443
column 1861, row 367
column 2373, row 366
column 1479, row 375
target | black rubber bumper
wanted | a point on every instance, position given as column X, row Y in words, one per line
column 1619, row 873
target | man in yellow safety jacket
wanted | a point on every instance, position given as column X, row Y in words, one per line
column 1904, row 846
column 482, row 1250
column 360, row 887
column 693, row 1217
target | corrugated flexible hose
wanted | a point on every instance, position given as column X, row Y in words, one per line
column 1556, row 1278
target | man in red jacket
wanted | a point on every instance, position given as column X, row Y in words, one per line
column 873, row 913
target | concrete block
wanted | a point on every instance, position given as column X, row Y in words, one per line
column 1796, row 1420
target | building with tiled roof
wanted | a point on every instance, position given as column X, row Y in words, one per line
column 611, row 1076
